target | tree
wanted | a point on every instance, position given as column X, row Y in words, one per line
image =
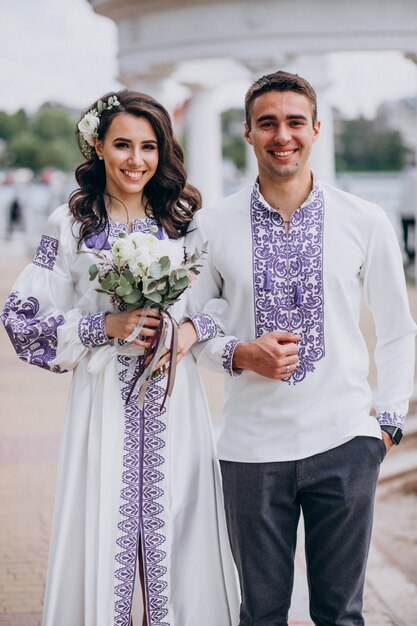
column 234, row 145
column 25, row 150
column 364, row 146
column 12, row 124
column 51, row 123
column 45, row 140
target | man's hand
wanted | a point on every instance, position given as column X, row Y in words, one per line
column 274, row 355
column 387, row 440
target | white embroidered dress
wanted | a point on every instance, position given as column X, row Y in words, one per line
column 126, row 477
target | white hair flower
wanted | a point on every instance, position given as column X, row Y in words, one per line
column 88, row 125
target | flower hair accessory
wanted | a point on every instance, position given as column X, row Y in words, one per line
column 88, row 126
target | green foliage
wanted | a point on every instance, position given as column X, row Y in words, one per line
column 50, row 123
column 365, row 146
column 46, row 139
column 25, row 150
column 12, row 124
column 60, row 153
column 234, row 146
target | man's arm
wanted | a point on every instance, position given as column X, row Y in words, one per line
column 386, row 295
column 274, row 355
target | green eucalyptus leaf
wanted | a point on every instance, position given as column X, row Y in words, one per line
column 93, row 271
column 165, row 263
column 124, row 291
column 155, row 270
column 107, row 282
column 182, row 283
column 154, row 297
column 124, row 282
column 150, row 286
column 127, row 274
column 134, row 297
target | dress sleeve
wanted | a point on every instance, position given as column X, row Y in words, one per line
column 386, row 296
column 39, row 315
column 209, row 311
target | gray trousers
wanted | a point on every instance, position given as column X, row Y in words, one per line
column 335, row 491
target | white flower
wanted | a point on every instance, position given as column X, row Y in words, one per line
column 142, row 240
column 88, row 127
column 172, row 249
column 139, row 261
column 122, row 250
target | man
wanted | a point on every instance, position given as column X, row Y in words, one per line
column 290, row 256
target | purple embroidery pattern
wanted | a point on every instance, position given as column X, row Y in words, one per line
column 227, row 356
column 139, row 225
column 46, row 253
column 91, row 330
column 391, row 419
column 288, row 276
column 34, row 340
column 98, row 241
column 205, row 327
column 142, row 508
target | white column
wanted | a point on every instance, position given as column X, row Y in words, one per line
column 204, row 145
column 151, row 87
column 314, row 69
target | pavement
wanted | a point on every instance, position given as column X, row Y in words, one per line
column 32, row 408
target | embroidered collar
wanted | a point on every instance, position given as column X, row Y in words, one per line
column 308, row 203
column 143, row 225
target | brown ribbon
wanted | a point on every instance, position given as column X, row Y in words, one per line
column 144, row 373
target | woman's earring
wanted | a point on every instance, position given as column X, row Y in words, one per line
column 100, row 157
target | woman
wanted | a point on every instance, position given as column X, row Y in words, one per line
column 136, row 490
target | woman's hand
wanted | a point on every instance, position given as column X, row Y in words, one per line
column 187, row 337
column 121, row 325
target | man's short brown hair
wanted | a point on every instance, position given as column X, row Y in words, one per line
column 280, row 81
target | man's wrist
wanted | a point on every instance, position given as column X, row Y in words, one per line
column 240, row 355
column 394, row 432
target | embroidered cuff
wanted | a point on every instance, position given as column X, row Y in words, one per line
column 204, row 326
column 46, row 253
column 391, row 419
column 227, row 357
column 92, row 331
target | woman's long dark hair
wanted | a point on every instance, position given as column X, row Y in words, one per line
column 170, row 200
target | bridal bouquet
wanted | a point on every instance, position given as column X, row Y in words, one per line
column 146, row 271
